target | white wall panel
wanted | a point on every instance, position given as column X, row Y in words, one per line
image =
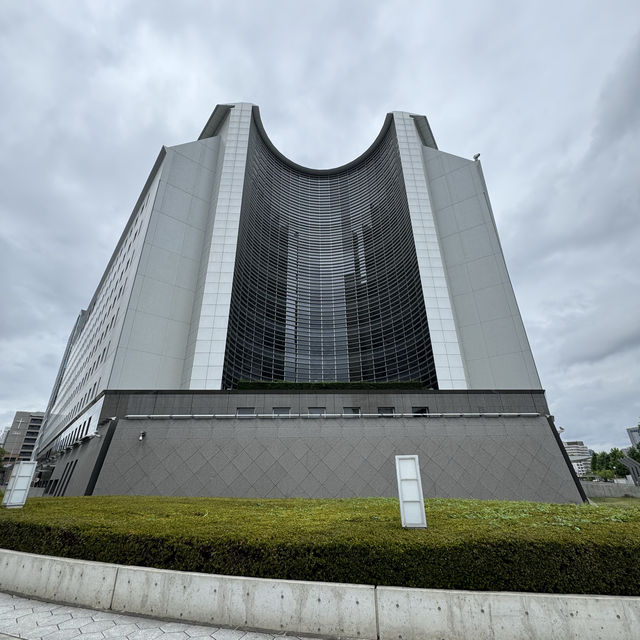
column 423, row 200
column 151, row 354
column 209, row 335
column 494, row 345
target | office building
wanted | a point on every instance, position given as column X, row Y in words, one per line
column 238, row 265
column 20, row 439
column 579, row 456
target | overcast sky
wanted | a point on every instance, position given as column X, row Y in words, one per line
column 548, row 93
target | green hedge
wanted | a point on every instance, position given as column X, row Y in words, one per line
column 506, row 546
column 319, row 386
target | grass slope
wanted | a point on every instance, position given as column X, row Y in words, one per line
column 622, row 501
column 512, row 546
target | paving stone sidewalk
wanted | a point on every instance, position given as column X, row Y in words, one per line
column 37, row 620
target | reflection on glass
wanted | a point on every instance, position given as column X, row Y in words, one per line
column 326, row 284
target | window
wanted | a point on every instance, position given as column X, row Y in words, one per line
column 281, row 411
column 316, row 412
column 351, row 411
column 386, row 411
column 245, row 411
column 419, row 411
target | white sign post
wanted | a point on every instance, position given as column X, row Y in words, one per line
column 19, row 484
column 410, row 492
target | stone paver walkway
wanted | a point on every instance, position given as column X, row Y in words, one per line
column 37, row 620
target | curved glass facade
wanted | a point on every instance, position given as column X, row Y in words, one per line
column 326, row 284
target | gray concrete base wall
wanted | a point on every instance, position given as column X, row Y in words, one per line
column 479, row 444
column 74, row 467
column 318, row 608
column 481, row 457
column 610, row 490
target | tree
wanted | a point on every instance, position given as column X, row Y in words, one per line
column 603, row 460
column 620, row 470
column 606, row 474
column 617, row 466
column 610, row 462
column 634, row 453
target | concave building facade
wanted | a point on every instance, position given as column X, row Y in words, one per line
column 239, row 265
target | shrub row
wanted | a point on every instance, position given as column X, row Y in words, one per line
column 480, row 554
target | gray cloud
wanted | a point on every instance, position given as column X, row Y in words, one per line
column 91, row 91
column 571, row 241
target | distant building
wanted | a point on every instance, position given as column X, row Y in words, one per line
column 579, row 455
column 576, row 448
column 634, row 469
column 20, row 440
column 634, row 435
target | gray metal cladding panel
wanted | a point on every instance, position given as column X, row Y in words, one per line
column 514, row 458
column 79, row 462
column 173, row 404
column 122, row 403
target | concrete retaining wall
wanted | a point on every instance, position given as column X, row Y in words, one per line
column 433, row 614
column 78, row 582
column 318, row 608
column 610, row 490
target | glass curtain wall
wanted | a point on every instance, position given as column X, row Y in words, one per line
column 326, row 284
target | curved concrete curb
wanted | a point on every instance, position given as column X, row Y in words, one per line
column 315, row 608
column 319, row 608
column 77, row 582
column 489, row 615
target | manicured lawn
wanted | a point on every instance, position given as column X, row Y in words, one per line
column 312, row 520
column 618, row 502
column 468, row 544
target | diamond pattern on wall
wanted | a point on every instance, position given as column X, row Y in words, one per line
column 514, row 458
